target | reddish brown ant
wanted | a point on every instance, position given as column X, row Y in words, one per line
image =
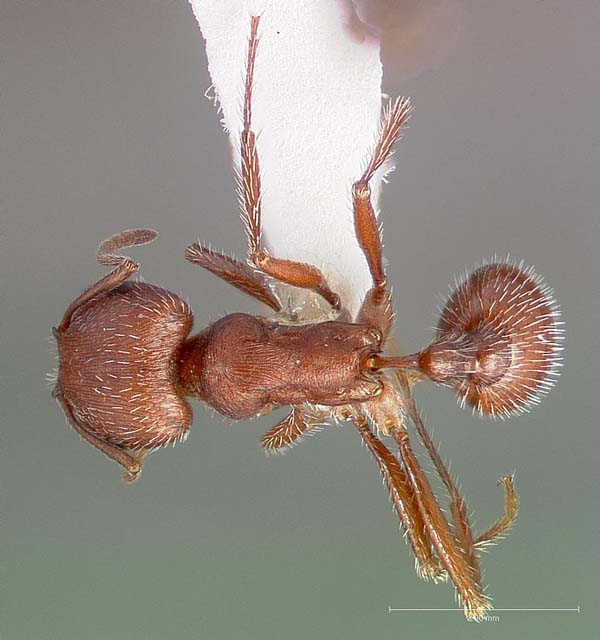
column 127, row 363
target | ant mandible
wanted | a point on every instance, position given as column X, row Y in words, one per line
column 126, row 363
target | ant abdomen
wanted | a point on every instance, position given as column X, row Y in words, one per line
column 483, row 355
column 498, row 340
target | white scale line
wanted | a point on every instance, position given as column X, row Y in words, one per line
column 491, row 611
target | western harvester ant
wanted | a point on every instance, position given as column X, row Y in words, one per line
column 126, row 363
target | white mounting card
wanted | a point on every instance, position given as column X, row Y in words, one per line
column 316, row 109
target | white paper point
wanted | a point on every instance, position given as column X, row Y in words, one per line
column 316, row 108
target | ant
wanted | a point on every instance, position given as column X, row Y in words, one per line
column 127, row 362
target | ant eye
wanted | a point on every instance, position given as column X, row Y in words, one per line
column 498, row 340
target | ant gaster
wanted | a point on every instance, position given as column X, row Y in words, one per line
column 126, row 363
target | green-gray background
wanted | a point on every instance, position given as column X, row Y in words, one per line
column 104, row 126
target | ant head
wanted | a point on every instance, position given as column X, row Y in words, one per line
column 498, row 340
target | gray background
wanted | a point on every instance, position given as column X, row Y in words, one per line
column 104, row 126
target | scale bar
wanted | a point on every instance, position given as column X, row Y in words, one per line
column 491, row 611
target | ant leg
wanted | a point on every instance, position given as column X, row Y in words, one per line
column 297, row 274
column 458, row 562
column 376, row 309
column 125, row 268
column 286, row 433
column 131, row 464
column 238, row 274
column 405, row 504
column 458, row 506
column 511, row 508
column 394, row 119
column 386, row 412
